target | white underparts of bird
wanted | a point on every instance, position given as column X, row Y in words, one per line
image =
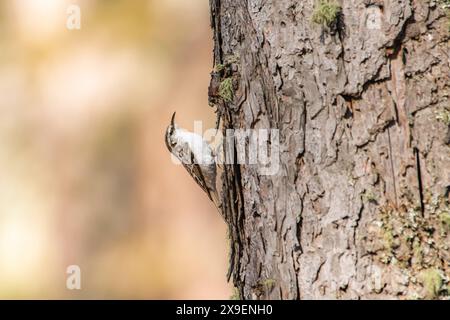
column 196, row 155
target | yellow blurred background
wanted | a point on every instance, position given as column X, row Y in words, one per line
column 85, row 177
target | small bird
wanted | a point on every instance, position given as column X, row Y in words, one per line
column 197, row 157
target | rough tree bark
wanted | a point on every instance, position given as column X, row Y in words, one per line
column 360, row 206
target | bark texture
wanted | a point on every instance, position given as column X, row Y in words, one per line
column 360, row 207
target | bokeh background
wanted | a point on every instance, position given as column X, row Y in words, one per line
column 85, row 177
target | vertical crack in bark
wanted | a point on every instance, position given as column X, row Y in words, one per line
column 317, row 274
column 215, row 6
column 239, row 222
column 419, row 179
column 297, row 284
column 391, row 158
column 229, row 213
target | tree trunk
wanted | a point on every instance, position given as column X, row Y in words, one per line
column 360, row 205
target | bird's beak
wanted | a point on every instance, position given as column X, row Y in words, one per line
column 172, row 122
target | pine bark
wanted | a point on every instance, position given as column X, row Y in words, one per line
column 360, row 207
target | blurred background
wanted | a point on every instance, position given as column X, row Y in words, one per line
column 85, row 177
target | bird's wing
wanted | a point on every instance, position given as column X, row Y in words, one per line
column 193, row 168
